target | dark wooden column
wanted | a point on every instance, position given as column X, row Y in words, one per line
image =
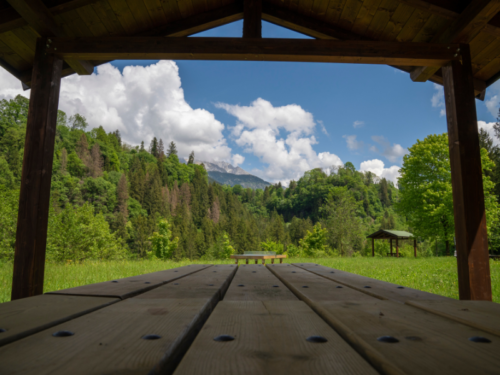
column 415, row 247
column 391, row 246
column 32, row 220
column 397, row 248
column 474, row 281
column 252, row 19
column 373, row 247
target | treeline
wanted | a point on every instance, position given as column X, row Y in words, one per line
column 111, row 200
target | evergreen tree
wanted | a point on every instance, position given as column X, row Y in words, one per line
column 122, row 195
column 172, row 149
column 82, row 150
column 161, row 150
column 153, row 196
column 153, row 147
column 97, row 162
column 191, row 158
column 77, row 121
column 174, row 199
column 384, row 194
column 142, row 146
column 64, row 160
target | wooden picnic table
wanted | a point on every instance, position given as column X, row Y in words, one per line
column 248, row 319
column 257, row 258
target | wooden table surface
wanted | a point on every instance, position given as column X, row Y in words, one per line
column 252, row 319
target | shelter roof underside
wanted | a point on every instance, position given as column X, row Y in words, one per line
column 378, row 20
column 387, row 234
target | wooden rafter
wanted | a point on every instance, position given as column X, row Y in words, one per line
column 318, row 29
column 36, row 14
column 462, row 30
column 298, row 50
column 252, row 19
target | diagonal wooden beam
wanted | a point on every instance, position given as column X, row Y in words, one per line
column 252, row 19
column 318, row 29
column 462, row 30
column 241, row 49
column 36, row 14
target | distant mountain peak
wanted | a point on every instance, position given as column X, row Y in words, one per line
column 221, row 166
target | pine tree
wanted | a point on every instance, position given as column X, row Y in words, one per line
column 165, row 201
column 200, row 202
column 174, row 199
column 153, row 147
column 152, row 196
column 82, row 150
column 215, row 211
column 172, row 149
column 185, row 194
column 137, row 181
column 97, row 162
column 64, row 160
column 191, row 158
column 384, row 195
column 142, row 146
column 122, row 195
column 161, row 149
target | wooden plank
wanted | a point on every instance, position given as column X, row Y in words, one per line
column 413, row 26
column 108, row 18
column 94, row 23
column 140, row 13
column 363, row 52
column 27, row 316
column 156, row 12
column 335, row 9
column 124, row 15
column 426, row 343
column 197, row 285
column 131, row 286
column 365, row 16
column 474, row 280
column 254, row 282
column 377, row 288
column 311, row 287
column 483, row 315
column 382, row 19
column 462, row 30
column 39, row 17
column 349, row 14
column 252, row 19
column 32, row 221
column 269, row 338
column 110, row 340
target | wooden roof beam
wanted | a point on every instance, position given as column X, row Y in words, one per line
column 241, row 49
column 318, row 29
column 462, row 30
column 36, row 14
column 252, row 19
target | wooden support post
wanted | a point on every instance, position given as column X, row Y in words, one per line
column 391, row 246
column 247, row 261
column 281, row 260
column 272, row 261
column 32, row 219
column 397, row 248
column 474, row 282
column 415, row 247
column 236, row 261
column 263, row 261
column 252, row 19
column 373, row 247
column 256, row 261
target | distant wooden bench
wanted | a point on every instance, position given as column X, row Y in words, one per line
column 237, row 257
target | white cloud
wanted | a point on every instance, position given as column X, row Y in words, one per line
column 392, row 153
column 437, row 99
column 323, row 129
column 10, row 86
column 358, row 124
column 238, row 159
column 281, row 137
column 492, row 104
column 143, row 102
column 352, row 143
column 488, row 126
column 377, row 167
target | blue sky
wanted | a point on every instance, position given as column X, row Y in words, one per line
column 358, row 113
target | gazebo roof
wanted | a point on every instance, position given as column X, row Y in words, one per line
column 417, row 21
column 387, row 234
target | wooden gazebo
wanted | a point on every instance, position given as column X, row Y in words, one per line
column 384, row 234
column 453, row 43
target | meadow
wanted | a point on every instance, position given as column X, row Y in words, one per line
column 434, row 274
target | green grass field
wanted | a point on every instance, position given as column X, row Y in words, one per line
column 434, row 275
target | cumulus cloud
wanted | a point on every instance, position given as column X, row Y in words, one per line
column 377, row 167
column 141, row 102
column 237, row 159
column 437, row 99
column 488, row 126
column 392, row 153
column 281, row 137
column 352, row 143
column 10, row 86
column 358, row 124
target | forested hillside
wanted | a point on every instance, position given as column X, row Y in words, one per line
column 112, row 200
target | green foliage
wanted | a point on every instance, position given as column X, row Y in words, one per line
column 272, row 246
column 76, row 234
column 314, row 243
column 9, row 201
column 162, row 243
column 221, row 249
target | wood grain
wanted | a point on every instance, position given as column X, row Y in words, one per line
column 110, row 340
column 130, row 286
column 305, row 50
column 255, row 283
column 483, row 315
column 311, row 287
column 270, row 338
column 379, row 289
column 27, row 316
column 428, row 344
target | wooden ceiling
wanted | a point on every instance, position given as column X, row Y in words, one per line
column 436, row 21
